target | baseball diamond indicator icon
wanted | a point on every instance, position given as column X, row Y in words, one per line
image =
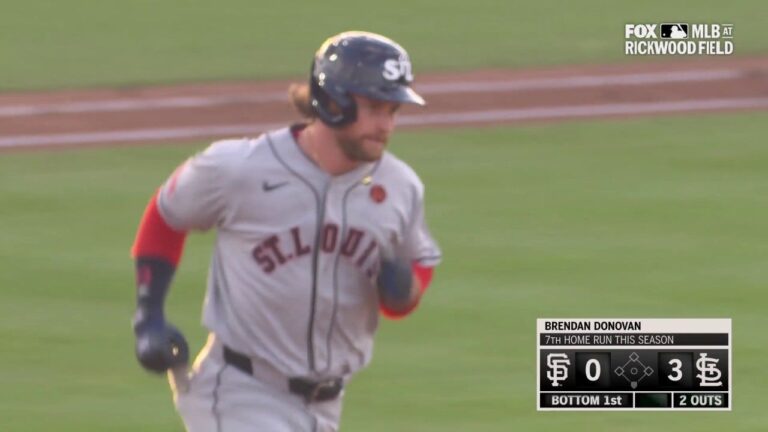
column 558, row 368
column 634, row 370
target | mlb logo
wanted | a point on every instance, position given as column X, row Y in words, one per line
column 674, row 31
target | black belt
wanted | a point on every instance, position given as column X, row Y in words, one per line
column 310, row 390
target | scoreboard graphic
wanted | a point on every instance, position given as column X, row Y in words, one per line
column 633, row 364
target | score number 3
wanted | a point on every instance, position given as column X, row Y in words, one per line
column 677, row 368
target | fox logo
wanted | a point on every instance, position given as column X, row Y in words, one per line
column 394, row 69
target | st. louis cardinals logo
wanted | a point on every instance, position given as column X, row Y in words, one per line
column 355, row 244
column 394, row 69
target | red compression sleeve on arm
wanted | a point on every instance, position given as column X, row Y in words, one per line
column 424, row 275
column 155, row 238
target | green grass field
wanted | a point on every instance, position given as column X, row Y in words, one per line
column 642, row 218
column 659, row 217
column 50, row 44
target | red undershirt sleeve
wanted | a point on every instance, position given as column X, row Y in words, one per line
column 424, row 275
column 155, row 238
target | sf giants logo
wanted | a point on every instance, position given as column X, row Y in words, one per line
column 558, row 368
column 394, row 69
column 276, row 250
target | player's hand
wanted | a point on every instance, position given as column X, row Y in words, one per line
column 159, row 345
column 395, row 283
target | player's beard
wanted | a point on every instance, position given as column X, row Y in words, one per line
column 355, row 148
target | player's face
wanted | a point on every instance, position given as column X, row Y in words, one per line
column 366, row 138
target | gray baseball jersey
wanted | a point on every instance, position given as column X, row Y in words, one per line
column 292, row 275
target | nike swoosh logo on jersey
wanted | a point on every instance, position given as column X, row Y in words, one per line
column 266, row 187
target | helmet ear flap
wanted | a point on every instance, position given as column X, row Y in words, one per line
column 332, row 108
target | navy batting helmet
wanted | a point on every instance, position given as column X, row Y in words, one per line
column 362, row 63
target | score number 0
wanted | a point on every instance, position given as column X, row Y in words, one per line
column 592, row 364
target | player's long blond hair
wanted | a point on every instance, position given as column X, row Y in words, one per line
column 300, row 99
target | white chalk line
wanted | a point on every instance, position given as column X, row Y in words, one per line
column 504, row 115
column 575, row 111
column 493, row 86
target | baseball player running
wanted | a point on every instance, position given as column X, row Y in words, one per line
column 319, row 229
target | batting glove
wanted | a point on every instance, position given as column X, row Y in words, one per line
column 159, row 345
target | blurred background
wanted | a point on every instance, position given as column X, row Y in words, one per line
column 543, row 207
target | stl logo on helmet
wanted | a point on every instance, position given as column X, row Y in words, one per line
column 395, row 69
